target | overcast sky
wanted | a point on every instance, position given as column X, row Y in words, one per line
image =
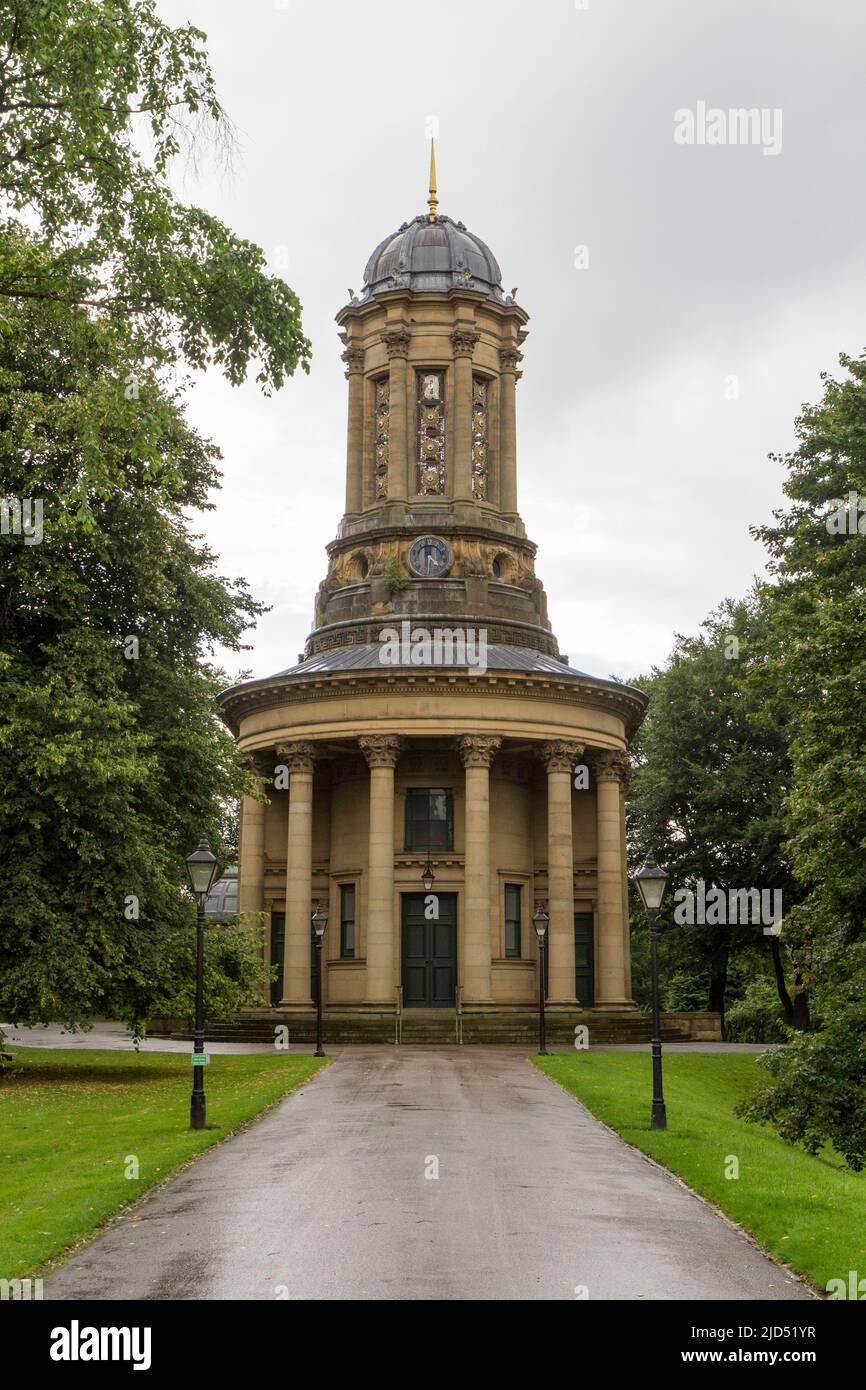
column 721, row 280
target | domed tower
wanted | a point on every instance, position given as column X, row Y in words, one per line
column 432, row 729
column 432, row 348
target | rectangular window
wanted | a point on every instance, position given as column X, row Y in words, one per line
column 512, row 919
column 347, row 921
column 429, row 819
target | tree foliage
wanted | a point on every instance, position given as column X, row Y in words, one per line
column 112, row 758
column 709, row 791
column 97, row 97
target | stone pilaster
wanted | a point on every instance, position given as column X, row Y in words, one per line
column 477, row 752
column 611, row 770
column 559, row 757
column 298, row 758
column 509, row 376
column 354, row 360
column 463, row 341
column 382, row 752
column 396, row 342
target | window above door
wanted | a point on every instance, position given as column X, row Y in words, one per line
column 429, row 819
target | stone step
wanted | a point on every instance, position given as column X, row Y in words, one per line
column 429, row 1027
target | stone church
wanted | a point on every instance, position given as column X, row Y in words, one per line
column 434, row 768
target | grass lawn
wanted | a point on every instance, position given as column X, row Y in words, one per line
column 70, row 1120
column 808, row 1212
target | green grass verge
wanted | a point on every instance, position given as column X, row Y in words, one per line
column 71, row 1120
column 808, row 1212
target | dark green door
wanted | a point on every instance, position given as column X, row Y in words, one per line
column 278, row 950
column 584, row 983
column 429, row 952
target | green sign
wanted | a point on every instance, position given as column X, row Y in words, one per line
column 200, row 1059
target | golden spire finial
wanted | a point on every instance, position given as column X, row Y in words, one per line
column 432, row 201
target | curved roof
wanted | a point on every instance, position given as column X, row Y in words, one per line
column 368, row 656
column 438, row 255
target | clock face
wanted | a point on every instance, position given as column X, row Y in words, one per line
column 429, row 557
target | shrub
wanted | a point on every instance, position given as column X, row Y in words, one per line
column 818, row 1090
column 757, row 1017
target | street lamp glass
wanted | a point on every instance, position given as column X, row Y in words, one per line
column 540, row 921
column 201, row 866
column 320, row 920
column 651, row 881
column 427, row 877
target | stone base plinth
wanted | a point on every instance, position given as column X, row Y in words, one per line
column 496, row 1025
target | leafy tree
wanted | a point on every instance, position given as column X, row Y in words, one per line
column 708, row 796
column 816, row 1094
column 97, row 97
column 815, row 675
column 112, row 757
column 813, row 679
column 112, row 760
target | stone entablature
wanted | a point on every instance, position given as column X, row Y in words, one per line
column 596, row 711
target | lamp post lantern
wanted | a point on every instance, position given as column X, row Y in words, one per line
column 651, row 880
column 201, row 866
column 540, row 921
column 320, row 921
column 428, row 876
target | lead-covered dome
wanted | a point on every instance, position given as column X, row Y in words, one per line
column 437, row 255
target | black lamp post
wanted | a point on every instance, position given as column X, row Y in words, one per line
column 540, row 921
column 201, row 866
column 651, row 880
column 320, row 921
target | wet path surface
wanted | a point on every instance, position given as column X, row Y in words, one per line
column 327, row 1198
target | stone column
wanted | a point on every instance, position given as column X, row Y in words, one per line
column 382, row 752
column 354, row 360
column 626, row 933
column 477, row 752
column 610, row 770
column 559, row 758
column 396, row 342
column 298, row 758
column 251, row 860
column 510, row 375
column 463, row 340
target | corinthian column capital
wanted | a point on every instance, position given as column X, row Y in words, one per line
column 297, row 757
column 559, row 755
column 354, row 360
column 261, row 763
column 463, row 341
column 509, row 359
column 611, row 766
column 478, row 750
column 381, row 750
column 396, row 342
